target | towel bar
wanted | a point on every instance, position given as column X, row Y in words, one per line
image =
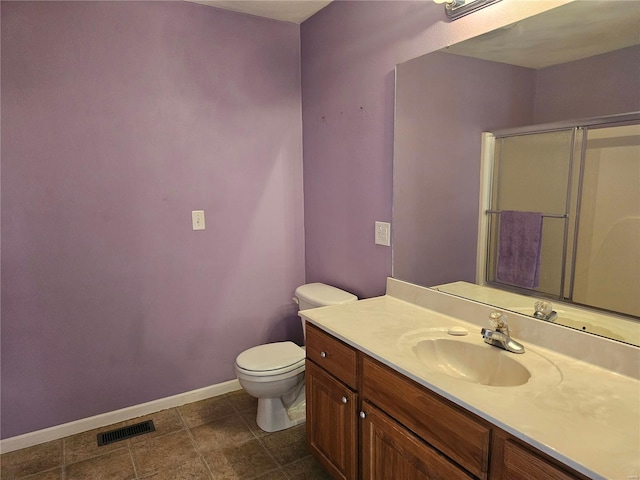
column 550, row 215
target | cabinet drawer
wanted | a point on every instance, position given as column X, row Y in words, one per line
column 331, row 354
column 457, row 435
column 519, row 463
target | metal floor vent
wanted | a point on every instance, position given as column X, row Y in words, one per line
column 125, row 432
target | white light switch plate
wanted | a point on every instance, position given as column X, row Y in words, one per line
column 383, row 234
column 197, row 219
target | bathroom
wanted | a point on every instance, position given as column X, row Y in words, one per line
column 120, row 119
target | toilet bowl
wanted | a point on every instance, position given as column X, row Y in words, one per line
column 274, row 373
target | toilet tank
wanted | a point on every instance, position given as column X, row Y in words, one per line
column 314, row 295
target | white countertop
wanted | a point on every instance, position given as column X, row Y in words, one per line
column 584, row 415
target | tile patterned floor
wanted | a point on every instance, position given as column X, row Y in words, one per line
column 211, row 439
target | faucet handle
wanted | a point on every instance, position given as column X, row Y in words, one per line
column 544, row 311
column 543, row 307
column 495, row 319
column 498, row 320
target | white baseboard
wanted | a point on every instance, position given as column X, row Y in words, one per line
column 109, row 418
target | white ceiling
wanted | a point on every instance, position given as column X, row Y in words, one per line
column 573, row 31
column 294, row 11
column 570, row 32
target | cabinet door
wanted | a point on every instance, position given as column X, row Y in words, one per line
column 389, row 451
column 331, row 422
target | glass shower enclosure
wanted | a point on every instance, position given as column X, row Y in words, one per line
column 583, row 183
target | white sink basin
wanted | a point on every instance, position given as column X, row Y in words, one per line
column 468, row 359
column 482, row 364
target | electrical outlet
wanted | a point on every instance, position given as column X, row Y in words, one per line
column 383, row 234
column 197, row 219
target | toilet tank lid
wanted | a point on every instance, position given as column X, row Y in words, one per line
column 270, row 356
column 322, row 294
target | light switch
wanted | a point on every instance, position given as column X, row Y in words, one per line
column 197, row 219
column 383, row 234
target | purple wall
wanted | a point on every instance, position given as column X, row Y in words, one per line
column 118, row 119
column 349, row 52
column 600, row 85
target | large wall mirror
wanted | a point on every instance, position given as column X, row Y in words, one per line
column 577, row 61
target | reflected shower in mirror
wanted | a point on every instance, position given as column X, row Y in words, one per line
column 585, row 246
column 547, row 68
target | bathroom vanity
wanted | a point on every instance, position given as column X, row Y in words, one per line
column 391, row 394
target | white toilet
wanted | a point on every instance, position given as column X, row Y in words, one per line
column 274, row 373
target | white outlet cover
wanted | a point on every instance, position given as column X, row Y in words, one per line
column 197, row 219
column 383, row 234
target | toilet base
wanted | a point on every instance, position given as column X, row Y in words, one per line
column 273, row 416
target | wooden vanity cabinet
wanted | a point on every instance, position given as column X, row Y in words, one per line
column 406, row 431
column 332, row 404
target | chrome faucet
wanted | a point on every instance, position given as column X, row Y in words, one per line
column 544, row 311
column 499, row 336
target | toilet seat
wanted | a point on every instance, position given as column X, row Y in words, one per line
column 271, row 359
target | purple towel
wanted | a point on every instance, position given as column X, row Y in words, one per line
column 519, row 248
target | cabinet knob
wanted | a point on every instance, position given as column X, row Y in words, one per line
column 363, row 415
column 323, row 354
column 344, row 400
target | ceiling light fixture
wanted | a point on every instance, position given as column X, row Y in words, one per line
column 459, row 8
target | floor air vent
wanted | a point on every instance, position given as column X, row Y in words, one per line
column 125, row 432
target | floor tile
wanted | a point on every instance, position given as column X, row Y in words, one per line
column 306, row 469
column 28, row 461
column 85, row 445
column 273, row 475
column 288, row 445
column 54, row 474
column 242, row 461
column 242, row 401
column 250, row 419
column 112, row 466
column 205, row 411
column 165, row 421
column 187, row 471
column 171, row 451
column 227, row 431
column 212, row 439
